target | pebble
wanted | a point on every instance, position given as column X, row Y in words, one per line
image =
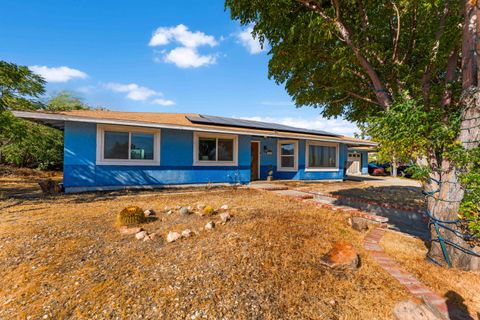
column 186, row 233
column 173, row 236
column 224, row 217
column 149, row 213
column 184, row 211
column 126, row 230
column 210, row 225
column 140, row 235
column 224, row 207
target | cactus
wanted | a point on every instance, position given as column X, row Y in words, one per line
column 130, row 216
column 208, row 210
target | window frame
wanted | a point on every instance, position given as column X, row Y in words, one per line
column 321, row 144
column 100, row 156
column 295, row 156
column 196, row 137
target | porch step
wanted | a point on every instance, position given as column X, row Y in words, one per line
column 268, row 186
column 294, row 194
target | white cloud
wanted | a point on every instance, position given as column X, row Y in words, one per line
column 246, row 39
column 186, row 55
column 138, row 93
column 58, row 74
column 163, row 102
column 163, row 36
column 338, row 126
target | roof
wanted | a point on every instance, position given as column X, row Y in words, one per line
column 185, row 122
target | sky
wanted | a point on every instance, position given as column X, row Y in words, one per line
column 151, row 56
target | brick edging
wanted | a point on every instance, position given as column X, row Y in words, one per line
column 371, row 243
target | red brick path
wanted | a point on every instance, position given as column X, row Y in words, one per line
column 371, row 243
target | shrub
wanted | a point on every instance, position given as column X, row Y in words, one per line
column 130, row 216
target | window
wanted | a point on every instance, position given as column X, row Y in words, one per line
column 322, row 156
column 287, row 159
column 119, row 145
column 215, row 149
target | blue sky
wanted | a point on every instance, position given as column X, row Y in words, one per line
column 155, row 56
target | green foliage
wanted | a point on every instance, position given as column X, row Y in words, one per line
column 19, row 87
column 130, row 216
column 65, row 101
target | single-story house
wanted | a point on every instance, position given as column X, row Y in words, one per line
column 107, row 150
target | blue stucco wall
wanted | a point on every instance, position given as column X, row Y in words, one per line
column 364, row 163
column 176, row 162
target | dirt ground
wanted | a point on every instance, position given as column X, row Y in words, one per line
column 461, row 288
column 63, row 257
column 395, row 192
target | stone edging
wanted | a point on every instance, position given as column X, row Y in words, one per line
column 371, row 243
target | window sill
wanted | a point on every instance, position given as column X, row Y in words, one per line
column 287, row 169
column 128, row 163
column 322, row 169
column 215, row 164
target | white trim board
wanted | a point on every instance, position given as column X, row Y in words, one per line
column 295, row 156
column 59, row 117
column 321, row 169
column 199, row 134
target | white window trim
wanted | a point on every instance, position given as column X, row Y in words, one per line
column 197, row 162
column 279, row 156
column 124, row 162
column 322, row 144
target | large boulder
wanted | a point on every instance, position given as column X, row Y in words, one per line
column 342, row 256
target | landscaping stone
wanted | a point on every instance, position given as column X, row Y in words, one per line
column 184, row 211
column 408, row 310
column 140, row 235
column 169, row 212
column 128, row 231
column 210, row 225
column 358, row 223
column 149, row 213
column 167, row 208
column 201, row 206
column 150, row 237
column 225, row 217
column 173, row 236
column 342, row 256
column 187, row 233
column 224, row 207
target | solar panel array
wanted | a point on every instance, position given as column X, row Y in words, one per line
column 241, row 123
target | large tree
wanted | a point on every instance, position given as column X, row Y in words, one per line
column 368, row 60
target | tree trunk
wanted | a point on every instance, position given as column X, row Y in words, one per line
column 394, row 167
column 447, row 201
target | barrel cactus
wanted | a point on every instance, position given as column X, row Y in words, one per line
column 130, row 216
column 208, row 210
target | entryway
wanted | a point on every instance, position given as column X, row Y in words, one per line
column 255, row 160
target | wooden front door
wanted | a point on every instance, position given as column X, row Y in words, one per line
column 255, row 160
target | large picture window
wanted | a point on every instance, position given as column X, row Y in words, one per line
column 215, row 149
column 322, row 156
column 287, row 159
column 119, row 145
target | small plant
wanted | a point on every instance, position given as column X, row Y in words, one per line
column 208, row 210
column 130, row 216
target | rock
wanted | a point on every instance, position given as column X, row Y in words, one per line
column 224, row 217
column 224, row 207
column 169, row 212
column 408, row 310
column 184, row 211
column 201, row 206
column 140, row 235
column 187, row 233
column 150, row 237
column 167, row 208
column 358, row 223
column 210, row 225
column 149, row 213
column 342, row 256
column 49, row 186
column 128, row 231
column 190, row 208
column 173, row 236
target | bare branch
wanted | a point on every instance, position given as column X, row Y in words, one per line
column 397, row 37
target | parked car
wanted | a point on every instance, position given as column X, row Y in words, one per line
column 377, row 169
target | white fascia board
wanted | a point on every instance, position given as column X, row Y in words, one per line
column 62, row 117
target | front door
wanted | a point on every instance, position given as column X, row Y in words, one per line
column 255, row 161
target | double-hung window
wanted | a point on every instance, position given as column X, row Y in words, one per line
column 287, row 159
column 215, row 149
column 121, row 145
column 322, row 156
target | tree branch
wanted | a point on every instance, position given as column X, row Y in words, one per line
column 383, row 96
column 397, row 37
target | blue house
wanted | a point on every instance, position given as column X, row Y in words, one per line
column 107, row 150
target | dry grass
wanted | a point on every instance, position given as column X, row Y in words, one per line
column 461, row 288
column 63, row 257
column 22, row 182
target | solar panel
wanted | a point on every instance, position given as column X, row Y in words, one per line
column 241, row 123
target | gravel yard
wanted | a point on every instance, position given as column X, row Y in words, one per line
column 63, row 257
